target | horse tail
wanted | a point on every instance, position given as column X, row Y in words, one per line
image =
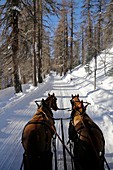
column 33, row 141
column 30, row 156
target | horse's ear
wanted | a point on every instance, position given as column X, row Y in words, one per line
column 48, row 94
column 77, row 95
column 72, row 96
column 71, row 101
column 37, row 104
column 82, row 104
column 53, row 94
column 43, row 101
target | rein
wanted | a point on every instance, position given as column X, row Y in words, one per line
column 68, row 109
column 52, row 127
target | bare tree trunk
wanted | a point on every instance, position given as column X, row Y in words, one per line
column 83, row 49
column 66, row 58
column 71, row 39
column 15, row 31
column 95, row 56
column 34, row 48
column 39, row 12
column 95, row 71
column 99, row 28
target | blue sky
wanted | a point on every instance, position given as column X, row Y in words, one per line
column 54, row 20
column 2, row 1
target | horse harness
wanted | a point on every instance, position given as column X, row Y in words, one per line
column 80, row 126
column 47, row 125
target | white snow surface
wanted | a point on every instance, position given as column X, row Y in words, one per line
column 17, row 109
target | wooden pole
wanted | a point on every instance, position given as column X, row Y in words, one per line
column 64, row 153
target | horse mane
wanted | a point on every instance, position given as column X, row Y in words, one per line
column 44, row 105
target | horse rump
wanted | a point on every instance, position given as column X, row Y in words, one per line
column 40, row 162
column 33, row 159
column 84, row 157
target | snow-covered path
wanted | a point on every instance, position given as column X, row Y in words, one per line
column 16, row 113
column 13, row 117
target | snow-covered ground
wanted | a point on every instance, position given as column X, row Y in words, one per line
column 17, row 109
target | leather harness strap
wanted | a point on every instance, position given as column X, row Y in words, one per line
column 40, row 122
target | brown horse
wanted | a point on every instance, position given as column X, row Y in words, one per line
column 37, row 135
column 87, row 137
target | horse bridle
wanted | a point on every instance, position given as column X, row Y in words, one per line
column 76, row 107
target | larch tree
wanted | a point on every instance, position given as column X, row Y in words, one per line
column 108, row 24
column 61, row 49
column 9, row 23
column 34, row 42
column 15, row 31
column 26, row 31
column 46, row 54
column 87, row 23
column 83, row 45
column 100, row 6
column 71, row 38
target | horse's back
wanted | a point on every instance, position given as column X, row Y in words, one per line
column 36, row 136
